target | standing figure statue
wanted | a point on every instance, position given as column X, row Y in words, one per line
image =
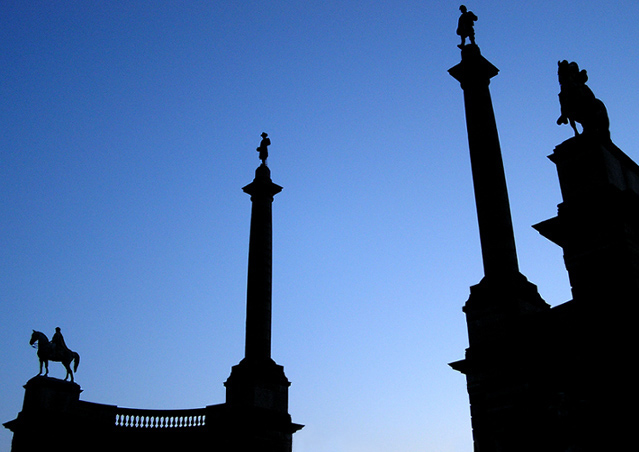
column 263, row 149
column 579, row 104
column 56, row 350
column 466, row 26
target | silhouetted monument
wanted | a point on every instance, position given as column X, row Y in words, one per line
column 542, row 379
column 254, row 418
column 579, row 104
column 263, row 147
column 466, row 26
column 56, row 350
column 257, row 389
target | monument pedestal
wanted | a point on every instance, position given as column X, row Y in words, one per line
column 50, row 405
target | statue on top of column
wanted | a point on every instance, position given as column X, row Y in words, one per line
column 579, row 104
column 465, row 26
column 263, row 149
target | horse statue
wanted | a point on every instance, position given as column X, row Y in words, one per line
column 579, row 104
column 48, row 351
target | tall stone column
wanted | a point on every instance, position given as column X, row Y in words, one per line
column 503, row 290
column 498, row 365
column 256, row 410
column 257, row 381
column 258, row 295
column 491, row 195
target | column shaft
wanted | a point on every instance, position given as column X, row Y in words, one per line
column 258, row 295
column 491, row 194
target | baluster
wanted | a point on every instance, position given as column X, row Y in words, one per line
column 155, row 419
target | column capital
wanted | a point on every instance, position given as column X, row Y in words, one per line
column 262, row 185
column 473, row 68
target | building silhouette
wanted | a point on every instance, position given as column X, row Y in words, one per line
column 254, row 417
column 542, row 378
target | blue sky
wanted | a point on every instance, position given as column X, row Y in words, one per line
column 129, row 128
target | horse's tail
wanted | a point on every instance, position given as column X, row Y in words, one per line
column 76, row 361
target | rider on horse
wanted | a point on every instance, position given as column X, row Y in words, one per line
column 59, row 347
column 56, row 350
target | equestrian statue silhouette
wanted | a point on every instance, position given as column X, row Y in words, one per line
column 56, row 350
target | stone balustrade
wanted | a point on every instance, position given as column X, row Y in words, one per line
column 165, row 419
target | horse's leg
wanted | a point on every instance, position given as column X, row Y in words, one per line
column 40, row 373
column 67, row 366
column 46, row 366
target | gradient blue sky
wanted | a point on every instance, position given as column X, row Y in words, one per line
column 129, row 128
